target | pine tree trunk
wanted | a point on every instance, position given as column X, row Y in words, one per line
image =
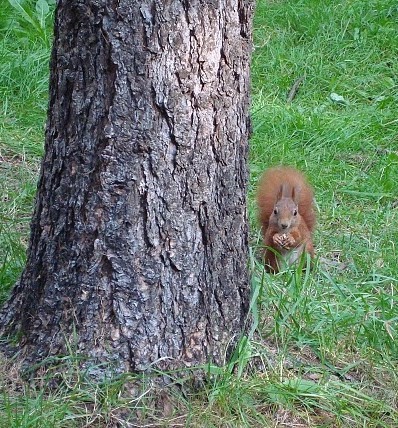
column 138, row 249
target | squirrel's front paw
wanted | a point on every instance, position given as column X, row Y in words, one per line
column 284, row 240
column 289, row 242
column 279, row 239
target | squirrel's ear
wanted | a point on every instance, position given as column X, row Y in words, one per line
column 286, row 191
column 296, row 194
column 281, row 192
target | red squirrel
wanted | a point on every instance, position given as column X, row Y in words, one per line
column 287, row 216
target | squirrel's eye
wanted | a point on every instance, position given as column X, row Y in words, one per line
column 275, row 211
column 295, row 212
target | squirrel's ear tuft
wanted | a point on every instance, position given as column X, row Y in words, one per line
column 280, row 193
column 296, row 194
column 287, row 191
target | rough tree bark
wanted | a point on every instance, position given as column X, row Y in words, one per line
column 138, row 248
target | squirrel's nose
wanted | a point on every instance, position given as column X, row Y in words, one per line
column 284, row 225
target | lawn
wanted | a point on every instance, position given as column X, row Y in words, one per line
column 323, row 350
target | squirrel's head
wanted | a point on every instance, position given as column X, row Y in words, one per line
column 285, row 213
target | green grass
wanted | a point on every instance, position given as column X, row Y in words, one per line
column 24, row 53
column 324, row 349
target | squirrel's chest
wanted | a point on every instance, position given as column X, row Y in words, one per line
column 289, row 257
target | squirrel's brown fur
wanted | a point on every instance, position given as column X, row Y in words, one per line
column 286, row 214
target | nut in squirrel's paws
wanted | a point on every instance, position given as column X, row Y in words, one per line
column 284, row 240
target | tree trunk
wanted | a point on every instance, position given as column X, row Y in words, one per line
column 138, row 248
